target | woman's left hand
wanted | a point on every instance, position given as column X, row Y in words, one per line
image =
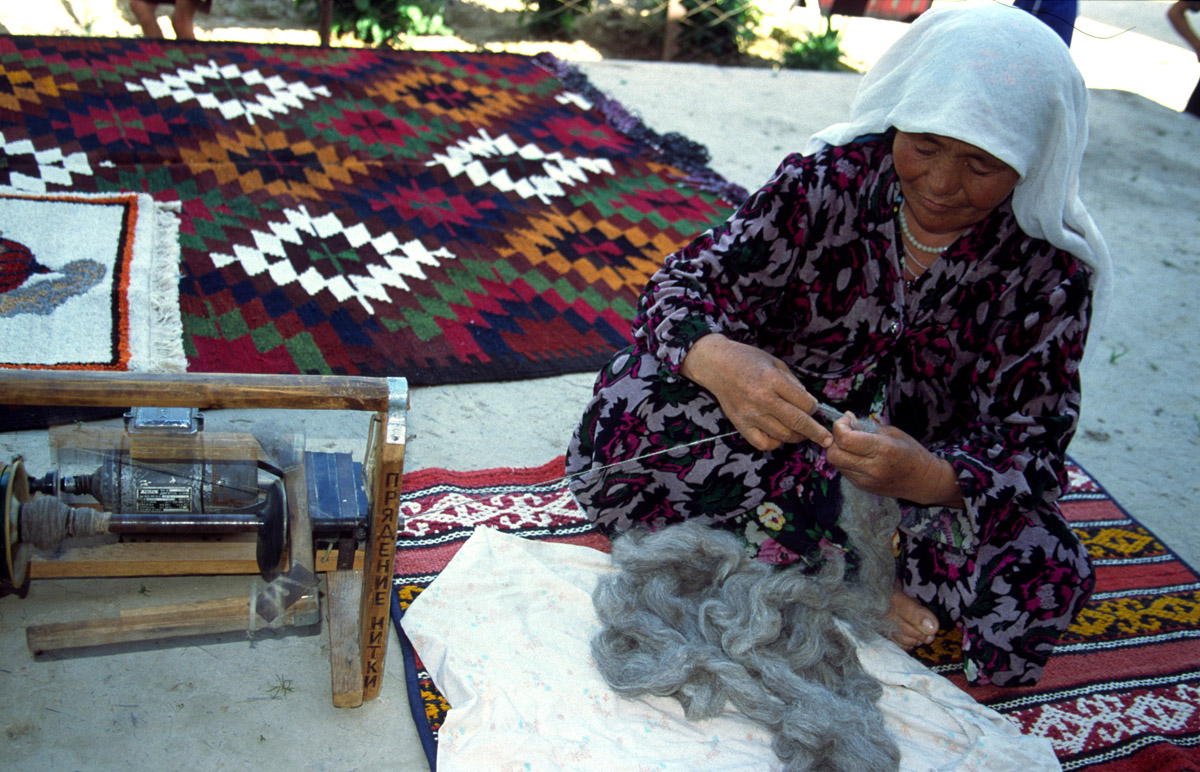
column 892, row 463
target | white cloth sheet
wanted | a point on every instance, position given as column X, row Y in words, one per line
column 505, row 632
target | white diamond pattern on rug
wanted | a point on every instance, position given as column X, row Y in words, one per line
column 488, row 160
column 198, row 83
column 53, row 166
column 269, row 255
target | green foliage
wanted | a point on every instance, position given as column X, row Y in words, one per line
column 822, row 51
column 555, row 18
column 381, row 22
column 718, row 28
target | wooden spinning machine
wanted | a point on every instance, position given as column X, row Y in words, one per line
column 164, row 483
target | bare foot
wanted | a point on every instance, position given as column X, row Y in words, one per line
column 915, row 624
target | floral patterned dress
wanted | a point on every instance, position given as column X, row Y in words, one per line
column 978, row 359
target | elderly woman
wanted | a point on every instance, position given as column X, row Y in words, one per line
column 929, row 264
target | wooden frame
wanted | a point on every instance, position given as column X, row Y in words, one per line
column 386, row 398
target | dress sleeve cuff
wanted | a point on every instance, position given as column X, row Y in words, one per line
column 953, row 527
column 674, row 344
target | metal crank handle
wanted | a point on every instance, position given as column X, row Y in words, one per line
column 868, row 425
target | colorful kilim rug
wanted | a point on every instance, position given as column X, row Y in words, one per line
column 1122, row 692
column 447, row 217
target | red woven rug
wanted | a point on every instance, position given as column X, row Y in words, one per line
column 1122, row 692
column 446, row 217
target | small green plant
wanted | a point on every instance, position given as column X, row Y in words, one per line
column 1117, row 354
column 281, row 689
column 381, row 23
column 820, row 51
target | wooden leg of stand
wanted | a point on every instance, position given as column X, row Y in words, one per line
column 345, row 655
column 386, row 459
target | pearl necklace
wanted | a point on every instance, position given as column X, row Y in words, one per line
column 908, row 235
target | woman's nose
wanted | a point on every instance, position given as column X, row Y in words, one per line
column 943, row 176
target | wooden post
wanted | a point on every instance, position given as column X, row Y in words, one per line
column 676, row 13
column 326, row 22
column 345, row 654
column 386, row 461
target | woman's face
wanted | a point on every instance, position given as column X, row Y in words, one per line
column 948, row 184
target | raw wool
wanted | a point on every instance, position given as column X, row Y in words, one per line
column 691, row 616
column 46, row 522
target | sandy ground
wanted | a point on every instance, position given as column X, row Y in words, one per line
column 221, row 704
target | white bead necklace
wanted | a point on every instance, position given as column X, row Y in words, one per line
column 908, row 235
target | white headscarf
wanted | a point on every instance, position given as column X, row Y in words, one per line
column 1000, row 79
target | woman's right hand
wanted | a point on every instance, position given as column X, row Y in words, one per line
column 766, row 402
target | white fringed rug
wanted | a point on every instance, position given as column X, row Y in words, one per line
column 89, row 282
